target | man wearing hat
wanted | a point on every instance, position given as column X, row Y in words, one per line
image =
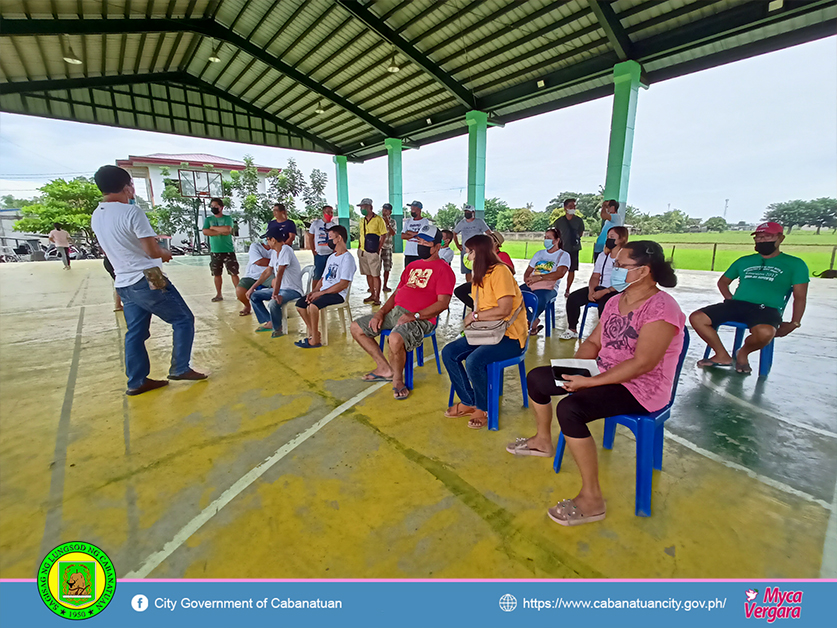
column 410, row 230
column 386, row 249
column 765, row 281
column 318, row 243
column 466, row 229
column 373, row 229
column 424, row 291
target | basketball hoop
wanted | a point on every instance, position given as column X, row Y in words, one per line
column 200, row 184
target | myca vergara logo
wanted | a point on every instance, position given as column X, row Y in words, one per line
column 76, row 580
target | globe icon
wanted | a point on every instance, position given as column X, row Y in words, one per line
column 508, row 602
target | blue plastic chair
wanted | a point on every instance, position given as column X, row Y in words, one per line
column 549, row 314
column 649, row 431
column 495, row 371
column 408, row 365
column 584, row 318
column 766, row 353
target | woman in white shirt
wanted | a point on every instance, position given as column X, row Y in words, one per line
column 599, row 289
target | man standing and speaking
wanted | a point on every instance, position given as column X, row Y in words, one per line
column 218, row 228
column 373, row 229
column 126, row 237
column 571, row 228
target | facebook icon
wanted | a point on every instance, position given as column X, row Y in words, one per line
column 139, row 603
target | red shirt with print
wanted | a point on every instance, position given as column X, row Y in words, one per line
column 421, row 284
column 504, row 257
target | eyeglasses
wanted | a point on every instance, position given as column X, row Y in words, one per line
column 618, row 265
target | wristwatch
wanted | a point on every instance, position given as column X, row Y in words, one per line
column 796, row 324
column 476, row 316
column 417, row 316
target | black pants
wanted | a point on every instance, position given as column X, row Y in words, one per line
column 409, row 259
column 575, row 411
column 463, row 293
column 578, row 299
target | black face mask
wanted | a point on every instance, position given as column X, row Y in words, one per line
column 414, row 214
column 765, row 248
column 424, row 252
column 610, row 243
column 469, row 214
column 215, row 210
column 332, row 244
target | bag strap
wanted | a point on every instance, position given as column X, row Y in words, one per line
column 476, row 292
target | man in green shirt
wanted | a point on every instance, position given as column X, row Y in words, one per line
column 218, row 228
column 765, row 281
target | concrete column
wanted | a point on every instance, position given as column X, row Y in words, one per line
column 477, row 126
column 342, row 178
column 396, row 195
column 626, row 83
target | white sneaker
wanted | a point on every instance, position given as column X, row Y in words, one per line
column 569, row 335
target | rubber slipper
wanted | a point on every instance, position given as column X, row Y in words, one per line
column 520, row 447
column 743, row 369
column 261, row 329
column 566, row 513
column 374, row 377
column 536, row 330
column 475, row 424
column 277, row 333
column 455, row 411
column 216, row 299
column 707, row 363
column 399, row 391
column 304, row 344
column 243, row 313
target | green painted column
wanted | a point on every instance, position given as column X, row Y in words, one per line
column 396, row 195
column 626, row 84
column 477, row 127
column 342, row 178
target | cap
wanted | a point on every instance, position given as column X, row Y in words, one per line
column 386, row 206
column 276, row 231
column 366, row 201
column 417, row 204
column 769, row 227
column 430, row 235
column 469, row 208
column 497, row 237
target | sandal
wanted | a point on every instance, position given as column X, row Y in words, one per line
column 374, row 377
column 520, row 447
column 216, row 299
column 456, row 411
column 707, row 363
column 400, row 394
column 536, row 330
column 262, row 328
column 306, row 344
column 245, row 312
column 478, row 421
column 566, row 513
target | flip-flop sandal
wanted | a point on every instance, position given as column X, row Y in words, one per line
column 478, row 423
column 536, row 330
column 243, row 313
column 261, row 329
column 520, row 447
column 304, row 344
column 455, row 411
column 743, row 369
column 398, row 391
column 277, row 333
column 707, row 363
column 374, row 377
column 566, row 513
column 216, row 299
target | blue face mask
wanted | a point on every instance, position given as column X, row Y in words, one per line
column 618, row 279
column 548, row 244
column 132, row 201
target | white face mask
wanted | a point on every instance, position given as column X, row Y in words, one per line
column 571, row 212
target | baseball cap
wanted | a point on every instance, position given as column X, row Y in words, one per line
column 366, row 201
column 276, row 231
column 386, row 206
column 430, row 235
column 417, row 204
column 469, row 208
column 769, row 227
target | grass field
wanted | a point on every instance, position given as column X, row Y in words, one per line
column 693, row 251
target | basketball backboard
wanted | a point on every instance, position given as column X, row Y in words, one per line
column 200, row 184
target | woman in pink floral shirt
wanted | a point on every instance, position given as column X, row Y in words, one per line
column 637, row 344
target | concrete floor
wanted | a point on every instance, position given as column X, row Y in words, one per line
column 385, row 489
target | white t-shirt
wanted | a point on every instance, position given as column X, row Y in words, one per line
column 257, row 252
column 292, row 277
column 545, row 262
column 60, row 237
column 319, row 229
column 338, row 268
column 604, row 266
column 411, row 245
column 119, row 227
column 447, row 254
column 468, row 230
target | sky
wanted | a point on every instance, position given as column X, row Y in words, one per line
column 757, row 131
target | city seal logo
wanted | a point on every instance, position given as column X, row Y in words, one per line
column 76, row 580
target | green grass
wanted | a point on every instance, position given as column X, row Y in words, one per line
column 693, row 251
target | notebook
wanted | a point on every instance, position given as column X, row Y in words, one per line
column 572, row 366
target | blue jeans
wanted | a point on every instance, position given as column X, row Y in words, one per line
column 275, row 316
column 320, row 262
column 471, row 380
column 544, row 297
column 139, row 303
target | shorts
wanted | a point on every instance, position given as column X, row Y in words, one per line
column 413, row 332
column 462, row 269
column 248, row 282
column 386, row 259
column 368, row 263
column 751, row 314
column 218, row 260
column 320, row 262
column 321, row 303
column 573, row 261
column 409, row 259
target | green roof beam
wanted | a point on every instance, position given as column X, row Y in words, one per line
column 613, row 28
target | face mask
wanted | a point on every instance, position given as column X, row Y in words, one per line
column 364, row 211
column 610, row 243
column 415, row 213
column 469, row 264
column 571, row 212
column 332, row 244
column 469, row 214
column 215, row 211
column 424, row 252
column 618, row 279
column 765, row 248
column 328, row 217
column 548, row 244
column 132, row 201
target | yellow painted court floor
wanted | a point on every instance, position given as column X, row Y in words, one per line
column 283, row 464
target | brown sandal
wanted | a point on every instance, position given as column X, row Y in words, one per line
column 456, row 411
column 478, row 420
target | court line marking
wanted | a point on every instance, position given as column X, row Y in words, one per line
column 829, row 547
column 154, row 560
column 747, row 404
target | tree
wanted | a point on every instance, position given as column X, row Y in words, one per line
column 314, row 193
column 522, row 219
column 69, row 203
column 789, row 214
column 10, row 202
column 448, row 216
column 716, row 223
column 285, row 186
column 822, row 212
column 175, row 214
column 587, row 208
column 541, row 221
column 505, row 220
column 493, row 207
column 255, row 206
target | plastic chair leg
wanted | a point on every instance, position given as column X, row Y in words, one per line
column 408, row 371
column 739, row 338
column 493, row 397
column 583, row 321
column 559, row 452
column 383, row 340
column 706, row 353
column 659, row 436
column 644, row 467
column 464, row 311
column 549, row 318
column 609, row 433
column 501, row 384
column 323, row 328
column 766, row 360
column 450, row 399
column 522, row 368
column 420, row 354
column 436, row 353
